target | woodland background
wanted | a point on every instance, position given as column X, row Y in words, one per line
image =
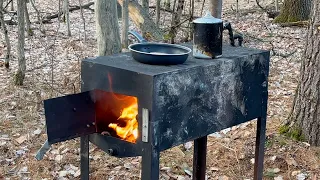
column 53, row 53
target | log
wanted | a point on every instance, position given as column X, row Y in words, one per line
column 142, row 20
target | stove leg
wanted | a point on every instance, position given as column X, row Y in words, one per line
column 199, row 158
column 84, row 157
column 150, row 164
column 259, row 153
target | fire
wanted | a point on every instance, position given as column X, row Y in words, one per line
column 129, row 132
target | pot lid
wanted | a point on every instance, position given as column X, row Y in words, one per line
column 207, row 19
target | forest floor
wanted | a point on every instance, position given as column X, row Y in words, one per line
column 53, row 69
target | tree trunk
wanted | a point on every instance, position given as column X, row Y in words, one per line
column 145, row 5
column 216, row 8
column 176, row 20
column 107, row 26
column 19, row 77
column 158, row 8
column 83, row 20
column 125, row 24
column 304, row 121
column 294, row 10
column 12, row 7
column 191, row 13
column 38, row 16
column 66, row 15
column 28, row 23
column 142, row 20
column 6, row 37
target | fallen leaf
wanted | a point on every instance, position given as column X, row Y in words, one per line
column 128, row 165
column 187, row 171
column 66, row 150
column 224, row 178
column 2, row 143
column 63, row 173
column 252, row 161
column 278, row 178
column 58, row 158
column 165, row 169
column 20, row 152
column 181, row 178
column 21, row 139
column 216, row 135
column 273, row 158
column 188, row 146
column 37, row 132
column 225, row 131
column 275, row 170
column 214, row 169
column 77, row 174
column 291, row 161
column 24, row 169
column 295, row 173
column 301, row 176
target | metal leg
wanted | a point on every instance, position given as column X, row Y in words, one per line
column 259, row 153
column 150, row 164
column 199, row 158
column 84, row 157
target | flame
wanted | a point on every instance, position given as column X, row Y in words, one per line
column 128, row 115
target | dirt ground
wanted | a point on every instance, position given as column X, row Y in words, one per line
column 53, row 69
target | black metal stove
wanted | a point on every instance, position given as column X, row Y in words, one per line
column 175, row 104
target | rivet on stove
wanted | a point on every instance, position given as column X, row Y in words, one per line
column 93, row 123
column 74, row 109
column 88, row 125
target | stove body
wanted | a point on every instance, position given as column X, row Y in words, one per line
column 176, row 104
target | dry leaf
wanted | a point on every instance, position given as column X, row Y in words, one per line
column 21, row 139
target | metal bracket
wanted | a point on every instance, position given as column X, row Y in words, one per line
column 145, row 124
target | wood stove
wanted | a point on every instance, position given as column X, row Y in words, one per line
column 127, row 108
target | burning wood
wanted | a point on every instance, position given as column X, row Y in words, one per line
column 129, row 131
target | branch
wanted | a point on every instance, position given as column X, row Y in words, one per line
column 298, row 24
column 170, row 11
column 56, row 15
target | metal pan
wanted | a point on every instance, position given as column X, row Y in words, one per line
column 157, row 53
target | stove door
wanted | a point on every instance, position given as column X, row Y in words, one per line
column 70, row 116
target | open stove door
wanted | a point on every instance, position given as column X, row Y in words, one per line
column 70, row 116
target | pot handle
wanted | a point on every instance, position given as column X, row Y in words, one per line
column 138, row 36
column 232, row 36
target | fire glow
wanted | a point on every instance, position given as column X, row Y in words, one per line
column 129, row 131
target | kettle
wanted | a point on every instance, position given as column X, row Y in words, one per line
column 207, row 37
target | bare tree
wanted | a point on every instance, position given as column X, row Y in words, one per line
column 304, row 121
column 158, row 12
column 6, row 37
column 142, row 20
column 277, row 5
column 125, row 23
column 83, row 20
column 294, row 10
column 12, row 7
column 19, row 77
column 66, row 15
column 107, row 27
column 28, row 23
column 176, row 20
column 216, row 8
column 38, row 16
